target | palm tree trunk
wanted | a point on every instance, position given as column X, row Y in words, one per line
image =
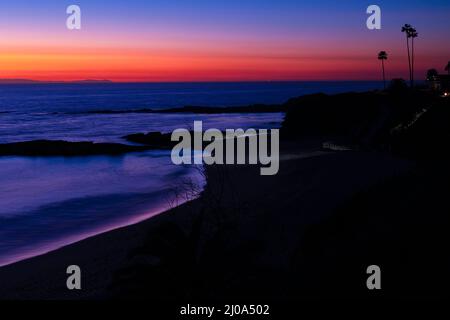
column 409, row 59
column 384, row 76
column 412, row 62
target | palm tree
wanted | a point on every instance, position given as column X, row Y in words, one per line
column 447, row 67
column 413, row 34
column 382, row 55
column 407, row 30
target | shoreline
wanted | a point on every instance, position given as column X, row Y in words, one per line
column 181, row 214
column 100, row 257
column 72, row 240
column 105, row 251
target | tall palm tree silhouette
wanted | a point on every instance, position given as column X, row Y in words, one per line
column 447, row 67
column 406, row 29
column 413, row 34
column 382, row 55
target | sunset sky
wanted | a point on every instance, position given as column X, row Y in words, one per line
column 199, row 40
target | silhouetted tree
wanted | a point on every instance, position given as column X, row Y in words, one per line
column 413, row 34
column 382, row 55
column 447, row 67
column 407, row 30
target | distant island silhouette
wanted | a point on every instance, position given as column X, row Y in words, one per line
column 31, row 81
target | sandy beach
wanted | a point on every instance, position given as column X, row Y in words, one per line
column 269, row 214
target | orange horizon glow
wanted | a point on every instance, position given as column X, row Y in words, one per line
column 203, row 61
column 146, row 65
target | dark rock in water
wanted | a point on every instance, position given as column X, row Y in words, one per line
column 153, row 139
column 257, row 108
column 157, row 140
column 117, row 111
column 65, row 148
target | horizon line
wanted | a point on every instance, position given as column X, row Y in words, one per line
column 93, row 81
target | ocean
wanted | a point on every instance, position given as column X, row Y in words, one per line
column 49, row 202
